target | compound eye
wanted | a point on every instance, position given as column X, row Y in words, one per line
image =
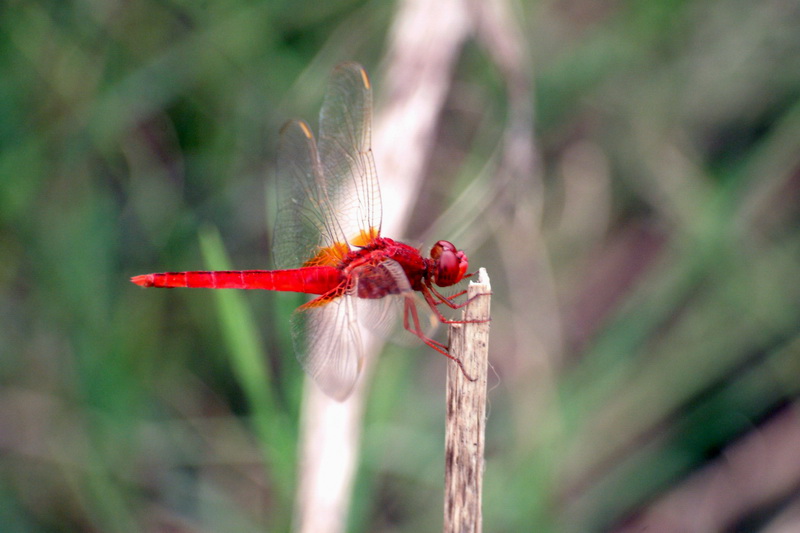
column 450, row 264
column 442, row 246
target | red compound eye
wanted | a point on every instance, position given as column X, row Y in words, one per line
column 450, row 264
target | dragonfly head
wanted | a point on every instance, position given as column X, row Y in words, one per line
column 448, row 264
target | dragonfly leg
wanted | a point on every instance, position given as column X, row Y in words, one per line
column 429, row 292
column 465, row 276
column 449, row 301
column 411, row 310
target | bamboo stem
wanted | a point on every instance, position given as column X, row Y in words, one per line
column 466, row 414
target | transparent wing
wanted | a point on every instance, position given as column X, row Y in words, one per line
column 328, row 344
column 305, row 221
column 328, row 195
column 385, row 316
column 345, row 145
column 329, row 201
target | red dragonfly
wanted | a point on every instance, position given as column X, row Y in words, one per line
column 328, row 242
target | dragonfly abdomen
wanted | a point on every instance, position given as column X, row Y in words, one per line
column 309, row 280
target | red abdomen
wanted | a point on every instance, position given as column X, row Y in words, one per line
column 310, row 280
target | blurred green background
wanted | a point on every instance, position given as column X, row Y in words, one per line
column 140, row 135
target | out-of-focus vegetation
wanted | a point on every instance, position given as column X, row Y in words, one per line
column 137, row 136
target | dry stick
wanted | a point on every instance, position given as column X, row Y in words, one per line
column 466, row 414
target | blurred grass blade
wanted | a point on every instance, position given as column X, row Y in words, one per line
column 275, row 431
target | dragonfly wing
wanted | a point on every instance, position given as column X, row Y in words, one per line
column 305, row 220
column 328, row 343
column 328, row 194
column 385, row 316
column 345, row 147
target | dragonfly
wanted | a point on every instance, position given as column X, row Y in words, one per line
column 328, row 243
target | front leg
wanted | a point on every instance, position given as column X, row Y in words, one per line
column 413, row 326
column 430, row 294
